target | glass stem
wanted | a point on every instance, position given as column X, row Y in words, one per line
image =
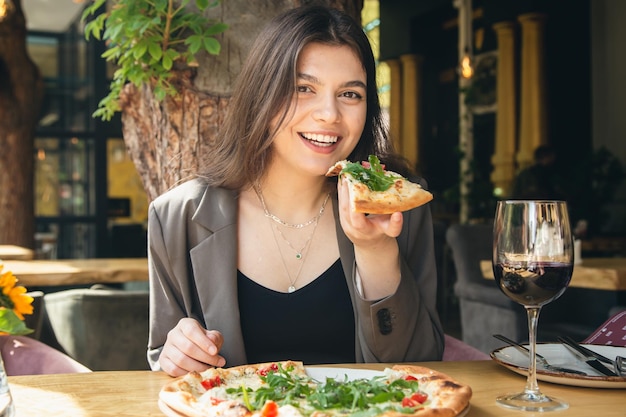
column 531, row 382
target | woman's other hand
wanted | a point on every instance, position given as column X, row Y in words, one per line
column 190, row 347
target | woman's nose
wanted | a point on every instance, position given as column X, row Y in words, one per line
column 327, row 109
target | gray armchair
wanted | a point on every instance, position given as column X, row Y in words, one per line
column 484, row 309
column 104, row 329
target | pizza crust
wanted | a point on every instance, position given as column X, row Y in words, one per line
column 448, row 396
column 403, row 195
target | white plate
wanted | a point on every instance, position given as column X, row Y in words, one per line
column 320, row 373
column 559, row 355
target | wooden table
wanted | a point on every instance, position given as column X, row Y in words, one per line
column 135, row 393
column 41, row 273
column 592, row 273
column 15, row 252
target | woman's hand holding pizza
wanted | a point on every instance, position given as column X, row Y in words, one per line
column 366, row 187
column 375, row 246
column 362, row 228
column 190, row 347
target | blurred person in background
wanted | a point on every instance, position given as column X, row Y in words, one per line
column 540, row 181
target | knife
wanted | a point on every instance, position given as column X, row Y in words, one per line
column 589, row 359
column 540, row 359
column 588, row 352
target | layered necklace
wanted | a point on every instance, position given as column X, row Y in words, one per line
column 284, row 223
column 301, row 253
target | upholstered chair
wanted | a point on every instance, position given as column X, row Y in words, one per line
column 103, row 328
column 457, row 350
column 483, row 308
column 26, row 356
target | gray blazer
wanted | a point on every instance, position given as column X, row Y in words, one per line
column 192, row 254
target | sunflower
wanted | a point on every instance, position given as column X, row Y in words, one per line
column 13, row 297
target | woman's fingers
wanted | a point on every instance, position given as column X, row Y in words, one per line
column 361, row 228
column 190, row 347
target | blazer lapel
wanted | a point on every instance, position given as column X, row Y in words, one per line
column 214, row 262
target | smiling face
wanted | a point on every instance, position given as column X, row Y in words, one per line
column 328, row 110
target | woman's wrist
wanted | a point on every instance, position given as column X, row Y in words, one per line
column 378, row 271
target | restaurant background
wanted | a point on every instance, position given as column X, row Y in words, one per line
column 89, row 200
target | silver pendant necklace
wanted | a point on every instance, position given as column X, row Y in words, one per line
column 298, row 252
column 257, row 189
column 300, row 255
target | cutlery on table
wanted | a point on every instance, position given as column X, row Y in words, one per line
column 619, row 364
column 542, row 360
column 587, row 357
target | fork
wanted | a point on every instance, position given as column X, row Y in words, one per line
column 620, row 365
column 542, row 360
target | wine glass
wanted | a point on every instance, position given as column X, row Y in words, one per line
column 533, row 261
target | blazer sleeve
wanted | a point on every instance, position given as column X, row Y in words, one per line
column 405, row 326
column 161, row 290
column 170, row 283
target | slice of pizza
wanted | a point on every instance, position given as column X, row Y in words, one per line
column 374, row 190
column 223, row 391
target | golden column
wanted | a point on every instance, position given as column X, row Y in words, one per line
column 533, row 118
column 395, row 105
column 503, row 158
column 411, row 92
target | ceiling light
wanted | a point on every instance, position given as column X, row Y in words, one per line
column 466, row 66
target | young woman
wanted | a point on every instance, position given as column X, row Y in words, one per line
column 260, row 258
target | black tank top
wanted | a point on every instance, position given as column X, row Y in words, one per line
column 314, row 324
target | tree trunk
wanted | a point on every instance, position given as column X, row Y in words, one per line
column 166, row 140
column 21, row 94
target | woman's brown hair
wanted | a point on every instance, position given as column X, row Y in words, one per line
column 265, row 88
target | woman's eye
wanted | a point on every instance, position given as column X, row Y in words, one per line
column 352, row 95
column 303, row 89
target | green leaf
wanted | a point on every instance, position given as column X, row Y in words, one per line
column 155, row 51
column 202, row 4
column 113, row 32
column 160, row 5
column 212, row 46
column 140, row 50
column 167, row 62
column 92, row 9
column 194, row 42
column 11, row 324
column 215, row 29
column 111, row 53
column 95, row 27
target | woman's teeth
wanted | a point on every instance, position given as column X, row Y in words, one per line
column 321, row 140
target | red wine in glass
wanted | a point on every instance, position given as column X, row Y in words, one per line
column 533, row 284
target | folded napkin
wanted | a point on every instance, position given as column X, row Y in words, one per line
column 611, row 332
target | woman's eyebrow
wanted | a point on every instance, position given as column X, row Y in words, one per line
column 355, row 83
column 315, row 80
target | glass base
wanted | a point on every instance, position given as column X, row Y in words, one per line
column 7, row 408
column 527, row 401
